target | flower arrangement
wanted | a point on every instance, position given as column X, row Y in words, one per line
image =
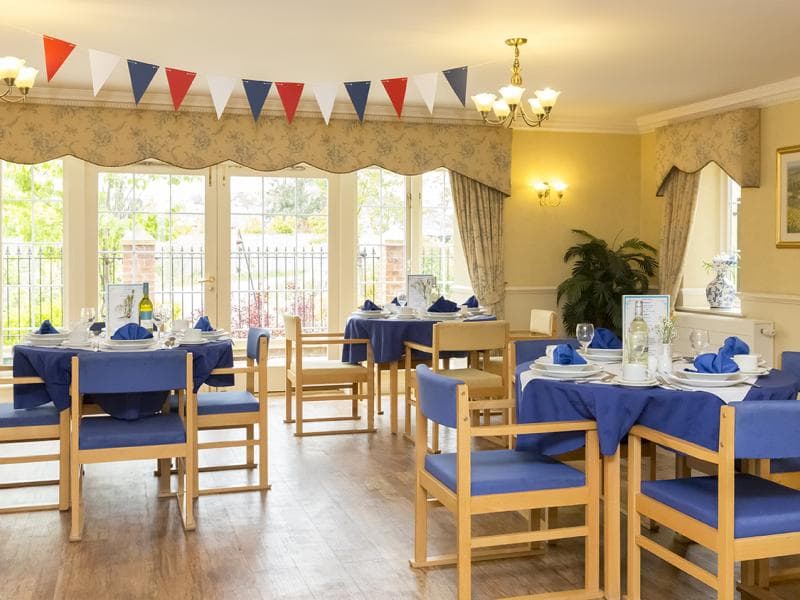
column 667, row 330
column 722, row 263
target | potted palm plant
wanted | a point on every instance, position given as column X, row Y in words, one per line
column 601, row 275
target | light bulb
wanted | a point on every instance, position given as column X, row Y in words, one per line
column 10, row 66
column 536, row 106
column 484, row 101
column 26, row 78
column 547, row 97
column 512, row 94
column 501, row 109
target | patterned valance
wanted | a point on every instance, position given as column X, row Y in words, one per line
column 31, row 133
column 731, row 139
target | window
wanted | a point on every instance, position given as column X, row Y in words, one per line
column 279, row 252
column 32, row 232
column 438, row 229
column 151, row 229
column 730, row 209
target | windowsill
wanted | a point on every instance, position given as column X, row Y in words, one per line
column 705, row 310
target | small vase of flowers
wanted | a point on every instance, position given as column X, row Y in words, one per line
column 667, row 332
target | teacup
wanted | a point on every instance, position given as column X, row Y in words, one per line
column 746, row 362
column 634, row 372
column 192, row 335
column 180, row 325
column 406, row 310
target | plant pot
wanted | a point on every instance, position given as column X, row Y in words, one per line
column 665, row 358
column 721, row 293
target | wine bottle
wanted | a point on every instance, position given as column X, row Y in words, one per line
column 146, row 309
column 638, row 337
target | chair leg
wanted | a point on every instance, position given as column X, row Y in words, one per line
column 191, row 491
column 421, row 525
column 356, row 390
column 379, row 387
column 263, row 457
column 250, row 450
column 298, row 411
column 288, row 418
column 76, row 518
column 164, row 468
column 371, row 402
column 464, row 555
column 407, row 425
column 63, row 465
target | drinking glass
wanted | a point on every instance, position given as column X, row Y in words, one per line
column 402, row 298
column 699, row 339
column 585, row 334
column 161, row 318
column 88, row 316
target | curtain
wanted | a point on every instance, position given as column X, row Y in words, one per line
column 680, row 197
column 479, row 213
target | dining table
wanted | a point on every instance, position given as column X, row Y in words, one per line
column 689, row 414
column 54, row 366
column 387, row 336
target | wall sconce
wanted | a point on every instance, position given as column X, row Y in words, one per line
column 544, row 189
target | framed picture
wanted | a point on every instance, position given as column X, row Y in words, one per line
column 654, row 308
column 419, row 291
column 122, row 304
column 787, row 217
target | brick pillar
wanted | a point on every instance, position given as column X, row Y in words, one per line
column 394, row 267
column 143, row 267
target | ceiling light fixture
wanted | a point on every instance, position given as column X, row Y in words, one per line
column 509, row 106
column 15, row 74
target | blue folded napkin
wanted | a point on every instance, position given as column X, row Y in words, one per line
column 369, row 305
column 443, row 306
column 204, row 324
column 394, row 301
column 131, row 331
column 46, row 327
column 605, row 339
column 733, row 345
column 711, row 362
column 472, row 302
column 564, row 354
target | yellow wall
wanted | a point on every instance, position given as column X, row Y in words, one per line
column 652, row 206
column 603, row 174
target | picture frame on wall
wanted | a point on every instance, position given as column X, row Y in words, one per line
column 787, row 211
column 122, row 304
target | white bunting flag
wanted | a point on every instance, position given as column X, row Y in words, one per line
column 426, row 84
column 326, row 96
column 101, row 65
column 221, row 88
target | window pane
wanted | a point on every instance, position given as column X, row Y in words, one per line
column 438, row 229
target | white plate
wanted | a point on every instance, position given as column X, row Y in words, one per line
column 193, row 342
column 757, row 372
column 370, row 314
column 707, row 383
column 404, row 318
column 52, row 336
column 604, row 358
column 443, row 315
column 546, row 363
column 567, row 374
column 605, row 351
column 76, row 345
column 646, row 383
column 217, row 333
column 130, row 343
column 51, row 343
column 692, row 375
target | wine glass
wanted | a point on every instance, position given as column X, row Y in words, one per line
column 585, row 334
column 161, row 318
column 88, row 315
column 402, row 298
column 699, row 339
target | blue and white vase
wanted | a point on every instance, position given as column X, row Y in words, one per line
column 721, row 293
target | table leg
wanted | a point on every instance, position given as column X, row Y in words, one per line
column 393, row 395
column 611, row 526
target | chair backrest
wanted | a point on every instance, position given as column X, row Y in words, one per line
column 254, row 335
column 766, row 428
column 292, row 324
column 437, row 396
column 790, row 362
column 543, row 321
column 108, row 373
column 466, row 337
column 528, row 350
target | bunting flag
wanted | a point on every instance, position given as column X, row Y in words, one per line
column 325, row 94
column 179, row 84
column 396, row 89
column 221, row 89
column 457, row 78
column 101, row 64
column 256, row 92
column 141, row 75
column 55, row 53
column 358, row 92
column 290, row 97
column 426, row 84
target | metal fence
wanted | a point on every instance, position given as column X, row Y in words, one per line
column 32, row 290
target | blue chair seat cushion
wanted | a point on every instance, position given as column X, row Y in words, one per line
column 218, row 403
column 784, row 465
column 506, row 471
column 761, row 507
column 28, row 417
column 107, row 432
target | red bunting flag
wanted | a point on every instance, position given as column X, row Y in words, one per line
column 179, row 84
column 55, row 53
column 290, row 97
column 396, row 89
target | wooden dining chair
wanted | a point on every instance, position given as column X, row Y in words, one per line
column 41, row 424
column 471, row 483
column 236, row 409
column 472, row 338
column 101, row 439
column 739, row 516
column 320, row 379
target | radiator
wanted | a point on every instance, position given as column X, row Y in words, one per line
column 757, row 333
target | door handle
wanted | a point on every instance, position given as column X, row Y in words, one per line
column 209, row 279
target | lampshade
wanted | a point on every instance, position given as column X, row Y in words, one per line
column 10, row 66
column 540, row 186
column 26, row 78
column 536, row 106
column 501, row 109
column 560, row 186
column 512, row 94
column 547, row 97
column 483, row 102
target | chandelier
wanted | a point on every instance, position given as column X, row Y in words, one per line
column 15, row 74
column 509, row 106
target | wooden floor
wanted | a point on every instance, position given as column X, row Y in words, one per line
column 336, row 524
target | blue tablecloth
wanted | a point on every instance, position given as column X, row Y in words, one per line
column 54, row 365
column 693, row 416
